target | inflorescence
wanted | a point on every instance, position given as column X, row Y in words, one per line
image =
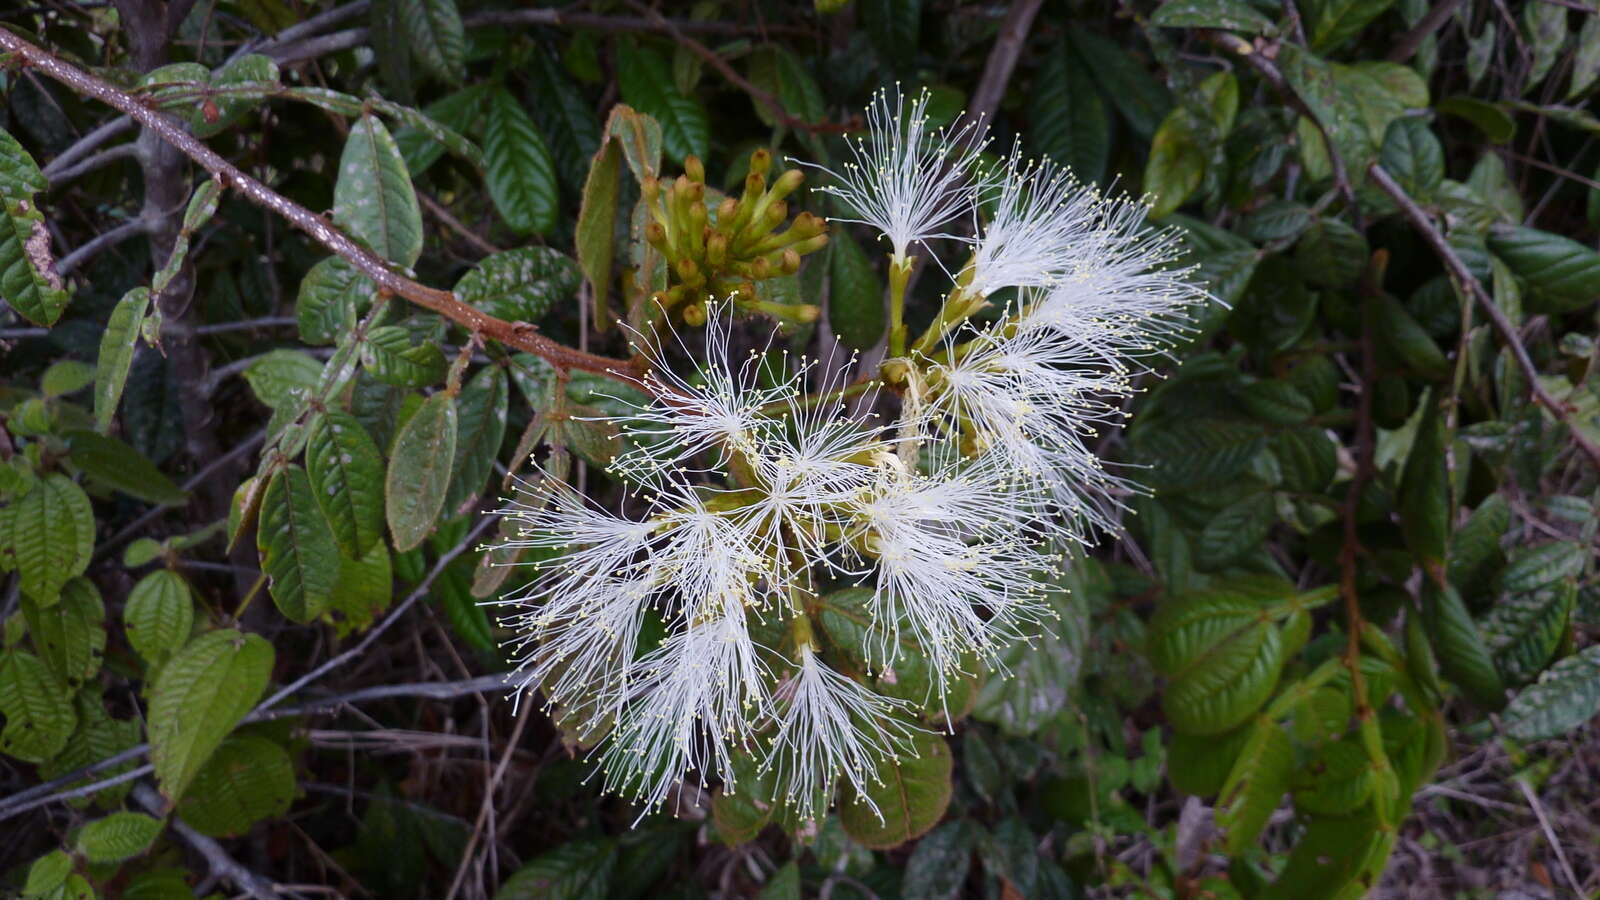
column 750, row 496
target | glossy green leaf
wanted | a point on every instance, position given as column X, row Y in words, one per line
column 647, row 84
column 373, row 198
column 1234, row 15
column 1564, row 698
column 119, row 836
column 1586, row 61
column 1495, row 123
column 1425, row 489
column 911, row 795
column 364, row 589
column 1067, row 116
column 37, row 707
column 1332, row 22
column 522, row 284
column 578, row 870
column 741, row 810
column 1397, row 331
column 1202, row 763
column 70, row 634
column 1258, row 780
column 346, row 474
column 1414, row 157
column 283, row 378
column 1524, row 630
column 1221, row 654
column 1536, row 566
column 1337, row 782
column 1307, row 457
column 855, row 294
column 117, row 344
column 1561, row 275
column 197, row 699
column 331, row 297
column 28, row 278
column 595, row 237
column 438, row 39
column 480, row 429
column 115, row 464
column 47, row 873
column 1331, row 253
column 521, row 176
column 468, row 620
column 390, row 356
column 159, row 615
column 440, row 127
column 246, row 780
column 419, row 471
column 938, row 865
column 298, row 552
column 1275, row 403
column 1142, row 100
column 1463, row 655
column 51, row 536
column 1235, row 531
column 1330, row 857
column 1190, row 453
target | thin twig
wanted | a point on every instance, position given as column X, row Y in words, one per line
column 1466, row 281
column 1550, row 835
column 1407, row 46
column 520, row 335
column 126, row 231
column 438, row 211
column 432, row 690
column 217, row 858
column 86, row 145
column 488, row 802
column 1002, row 59
column 104, row 158
column 247, row 325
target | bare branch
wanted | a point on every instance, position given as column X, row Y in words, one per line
column 217, row 858
column 99, row 160
column 1002, row 59
column 520, row 335
column 1466, row 281
column 127, row 230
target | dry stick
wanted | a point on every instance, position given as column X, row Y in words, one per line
column 217, row 858
column 1465, row 280
column 764, row 97
column 1003, row 59
column 1550, row 835
column 488, row 801
column 1411, row 40
column 520, row 335
column 126, row 231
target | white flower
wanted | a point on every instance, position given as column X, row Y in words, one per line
column 956, row 554
column 694, row 705
column 1045, row 226
column 832, row 727
column 908, row 179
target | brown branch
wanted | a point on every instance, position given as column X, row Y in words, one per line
column 1465, row 280
column 760, row 95
column 1407, row 46
column 1002, row 59
column 519, row 335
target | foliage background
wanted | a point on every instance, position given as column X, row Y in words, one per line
column 1352, row 427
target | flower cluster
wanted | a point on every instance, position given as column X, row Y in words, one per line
column 687, row 630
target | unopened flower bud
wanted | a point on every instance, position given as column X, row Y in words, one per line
column 694, row 168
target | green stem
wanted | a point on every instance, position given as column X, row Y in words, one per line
column 899, row 277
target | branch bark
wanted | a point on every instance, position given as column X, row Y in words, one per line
column 1464, row 279
column 1003, row 59
column 519, row 335
column 222, row 865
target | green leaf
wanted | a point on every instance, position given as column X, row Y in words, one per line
column 1329, row 858
column 246, row 780
column 1308, row 458
column 1545, row 25
column 346, row 474
column 911, row 795
column 117, row 465
column 1234, row 15
column 159, row 615
column 520, row 176
column 777, row 71
column 37, row 708
column 440, row 127
column 1524, row 630
column 1222, row 656
column 298, row 552
column 390, row 357
column 28, row 277
column 741, row 810
column 578, row 870
column 159, row 884
column 1275, row 220
column 640, row 138
column 1190, row 453
column 1177, row 163
column 784, row 884
column 1332, row 22
column 1332, row 254
column 438, row 39
column 373, row 198
column 596, row 233
column 520, row 285
column 938, row 866
column 893, row 27
column 1425, row 489
column 65, row 377
column 468, row 621
column 331, row 297
column 283, row 378
column 1564, row 697
column 1275, row 403
column 119, row 836
column 1338, row 781
column 1495, row 123
column 1206, row 760
column 47, row 873
column 71, row 633
column 1141, row 99
column 364, row 589
column 1067, row 116
column 1235, row 531
column 1414, row 157
column 197, row 699
column 647, row 84
column 51, row 536
column 855, row 295
column 116, row 354
column 480, row 429
column 1463, row 656
column 565, row 117
column 1560, row 274
column 419, row 471
column 1534, row 567
column 1398, row 332
column 1254, row 786
column 1586, row 61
